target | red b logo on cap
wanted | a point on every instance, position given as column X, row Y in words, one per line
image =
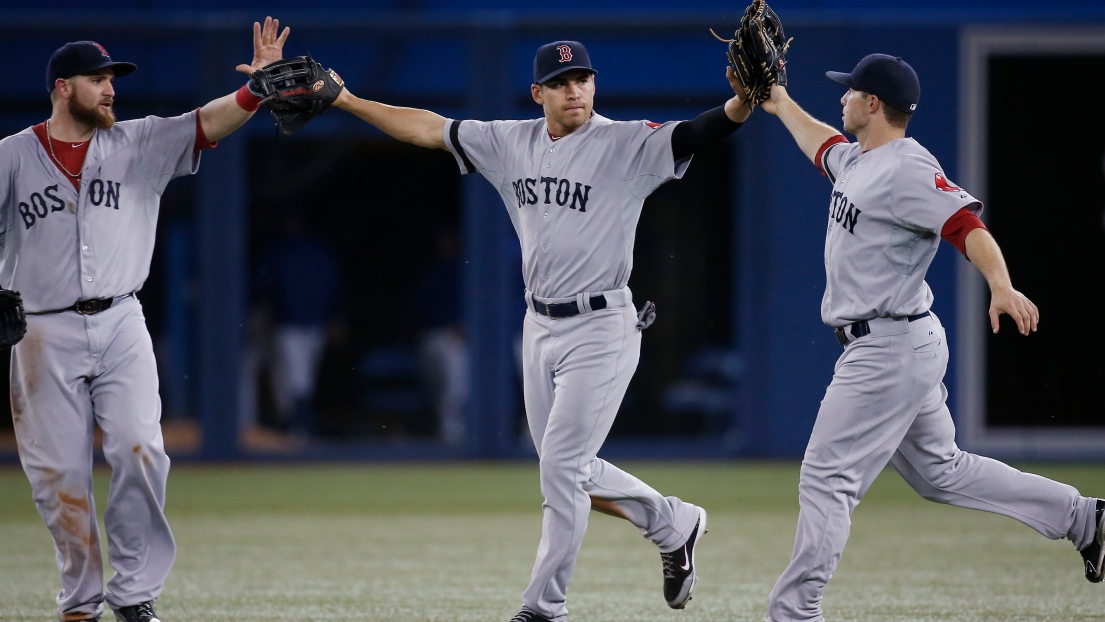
column 102, row 50
column 565, row 53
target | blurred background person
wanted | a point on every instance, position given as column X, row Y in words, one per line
column 442, row 348
column 298, row 310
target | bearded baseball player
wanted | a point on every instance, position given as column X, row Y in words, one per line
column 79, row 197
column 573, row 183
column 890, row 206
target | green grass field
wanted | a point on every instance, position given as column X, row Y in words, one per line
column 455, row 542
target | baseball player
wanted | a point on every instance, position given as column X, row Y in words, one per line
column 890, row 206
column 79, row 196
column 573, row 183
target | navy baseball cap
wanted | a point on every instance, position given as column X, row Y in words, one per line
column 81, row 57
column 555, row 58
column 889, row 77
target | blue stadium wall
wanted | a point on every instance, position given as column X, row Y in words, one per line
column 479, row 54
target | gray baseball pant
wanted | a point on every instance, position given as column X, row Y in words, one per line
column 575, row 372
column 887, row 403
column 70, row 372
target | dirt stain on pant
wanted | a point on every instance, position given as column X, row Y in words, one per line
column 77, row 541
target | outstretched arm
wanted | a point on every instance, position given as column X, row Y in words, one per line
column 712, row 126
column 735, row 107
column 807, row 131
column 410, row 125
column 984, row 253
column 222, row 116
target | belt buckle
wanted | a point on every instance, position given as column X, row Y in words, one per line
column 841, row 335
column 92, row 307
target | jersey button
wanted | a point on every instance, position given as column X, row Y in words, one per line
column 548, row 166
column 546, row 214
column 544, row 247
column 88, row 278
column 84, row 248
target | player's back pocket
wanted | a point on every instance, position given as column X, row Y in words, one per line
column 925, row 336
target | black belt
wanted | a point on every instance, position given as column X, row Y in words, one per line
column 86, row 307
column 861, row 328
column 567, row 309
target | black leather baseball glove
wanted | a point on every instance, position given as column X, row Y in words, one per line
column 295, row 90
column 13, row 322
column 757, row 52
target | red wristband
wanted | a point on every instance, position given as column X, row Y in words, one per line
column 246, row 99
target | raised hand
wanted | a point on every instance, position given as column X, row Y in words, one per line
column 268, row 47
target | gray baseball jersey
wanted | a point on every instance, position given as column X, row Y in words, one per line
column 887, row 402
column 575, row 203
column 59, row 246
column 887, row 209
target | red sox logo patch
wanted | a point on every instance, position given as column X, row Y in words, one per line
column 943, row 184
column 102, row 50
column 565, row 53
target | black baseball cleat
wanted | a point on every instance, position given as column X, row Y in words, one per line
column 1094, row 554
column 679, row 574
column 142, row 612
column 526, row 615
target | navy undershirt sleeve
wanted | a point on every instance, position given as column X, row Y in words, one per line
column 712, row 126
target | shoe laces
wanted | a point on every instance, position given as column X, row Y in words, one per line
column 669, row 563
column 524, row 616
column 145, row 611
